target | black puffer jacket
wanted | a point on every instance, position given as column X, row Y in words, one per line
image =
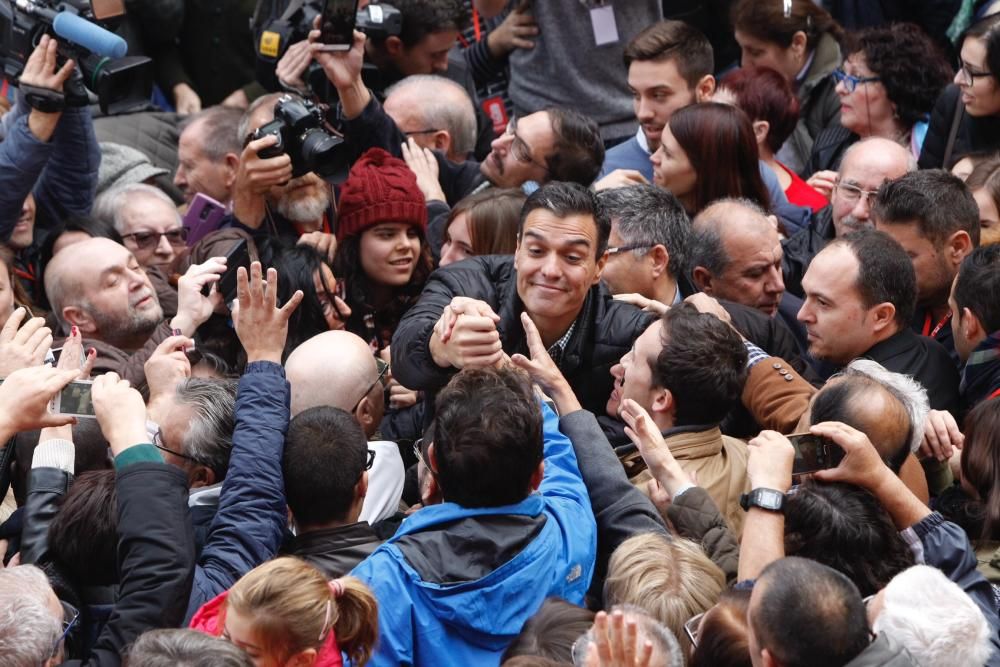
column 974, row 134
column 605, row 329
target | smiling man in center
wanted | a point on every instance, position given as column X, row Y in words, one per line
column 468, row 314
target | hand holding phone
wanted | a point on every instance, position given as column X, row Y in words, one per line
column 813, row 452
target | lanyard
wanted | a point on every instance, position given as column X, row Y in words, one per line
column 927, row 325
column 994, row 394
column 26, row 275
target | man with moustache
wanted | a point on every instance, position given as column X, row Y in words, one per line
column 865, row 167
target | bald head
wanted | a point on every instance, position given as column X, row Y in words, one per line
column 736, row 255
column 330, row 369
column 68, row 273
column 428, row 102
column 865, row 167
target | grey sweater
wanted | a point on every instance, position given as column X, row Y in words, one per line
column 567, row 69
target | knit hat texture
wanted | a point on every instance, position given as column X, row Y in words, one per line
column 380, row 188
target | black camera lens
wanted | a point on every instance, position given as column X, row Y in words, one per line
column 318, row 147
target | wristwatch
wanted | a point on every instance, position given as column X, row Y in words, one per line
column 766, row 499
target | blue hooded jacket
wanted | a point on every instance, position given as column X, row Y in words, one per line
column 455, row 584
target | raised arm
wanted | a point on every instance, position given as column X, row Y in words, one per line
column 251, row 518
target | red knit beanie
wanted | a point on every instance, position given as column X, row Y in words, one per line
column 380, row 188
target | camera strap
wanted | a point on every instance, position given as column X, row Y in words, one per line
column 45, row 100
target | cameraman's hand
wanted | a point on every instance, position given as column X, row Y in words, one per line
column 424, row 166
column 120, row 412
column 193, row 307
column 513, row 33
column 262, row 327
column 294, row 64
column 40, row 71
column 254, row 179
column 25, row 396
column 165, row 369
column 186, row 101
column 23, row 346
column 343, row 69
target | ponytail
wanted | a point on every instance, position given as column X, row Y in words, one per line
column 355, row 623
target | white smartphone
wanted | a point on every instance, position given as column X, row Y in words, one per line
column 74, row 399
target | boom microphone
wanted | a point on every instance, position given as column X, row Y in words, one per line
column 91, row 37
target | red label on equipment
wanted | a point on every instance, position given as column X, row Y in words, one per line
column 493, row 106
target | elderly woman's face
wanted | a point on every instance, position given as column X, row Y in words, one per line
column 866, row 110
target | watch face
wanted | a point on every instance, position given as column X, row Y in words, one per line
column 769, row 499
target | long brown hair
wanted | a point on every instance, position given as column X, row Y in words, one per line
column 21, row 297
column 720, row 144
column 981, row 462
column 493, row 216
column 766, row 20
column 294, row 608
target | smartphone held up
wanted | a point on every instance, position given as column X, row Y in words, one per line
column 336, row 26
column 813, row 452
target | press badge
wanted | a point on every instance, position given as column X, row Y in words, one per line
column 602, row 20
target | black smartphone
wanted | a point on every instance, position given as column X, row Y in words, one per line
column 813, row 453
column 336, row 27
column 235, row 258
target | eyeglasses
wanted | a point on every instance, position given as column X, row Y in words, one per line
column 70, row 616
column 427, row 131
column 383, row 368
column 852, row 193
column 627, row 248
column 969, row 75
column 851, row 82
column 691, row 628
column 519, row 149
column 371, row 459
column 158, row 443
column 146, row 240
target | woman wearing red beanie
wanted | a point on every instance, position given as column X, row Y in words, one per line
column 382, row 253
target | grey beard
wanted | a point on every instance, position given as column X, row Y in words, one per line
column 851, row 224
column 123, row 333
column 303, row 210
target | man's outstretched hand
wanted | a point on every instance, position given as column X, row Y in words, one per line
column 261, row 325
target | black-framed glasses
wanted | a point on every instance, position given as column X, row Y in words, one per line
column 969, row 75
column 383, row 368
column 146, row 240
column 158, row 443
column 851, row 82
column 691, row 627
column 615, row 250
column 69, row 620
column 852, row 193
column 430, row 130
column 519, row 148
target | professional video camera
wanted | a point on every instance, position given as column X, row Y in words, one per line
column 301, row 130
column 121, row 84
column 275, row 29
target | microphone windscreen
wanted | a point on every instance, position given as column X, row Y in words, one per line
column 89, row 35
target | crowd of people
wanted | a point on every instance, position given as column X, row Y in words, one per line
column 609, row 333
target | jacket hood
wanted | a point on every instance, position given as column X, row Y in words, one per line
column 469, row 567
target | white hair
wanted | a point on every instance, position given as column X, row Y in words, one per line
column 934, row 619
column 907, row 391
column 443, row 104
column 110, row 205
column 28, row 630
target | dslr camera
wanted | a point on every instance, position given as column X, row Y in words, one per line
column 301, row 130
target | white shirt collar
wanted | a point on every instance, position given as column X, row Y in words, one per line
column 640, row 137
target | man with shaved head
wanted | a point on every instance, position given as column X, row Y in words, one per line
column 337, row 369
column 99, row 288
column 865, row 167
